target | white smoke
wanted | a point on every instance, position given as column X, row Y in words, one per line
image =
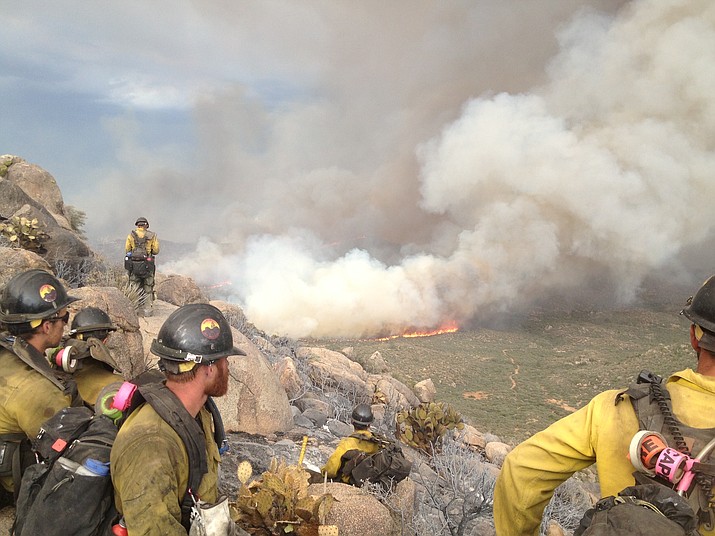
column 595, row 178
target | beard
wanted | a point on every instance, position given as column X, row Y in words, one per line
column 219, row 385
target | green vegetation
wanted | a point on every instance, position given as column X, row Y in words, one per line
column 424, row 426
column 77, row 218
column 515, row 382
column 23, row 233
column 278, row 502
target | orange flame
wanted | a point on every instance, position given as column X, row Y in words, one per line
column 449, row 327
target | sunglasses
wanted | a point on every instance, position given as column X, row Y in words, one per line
column 65, row 318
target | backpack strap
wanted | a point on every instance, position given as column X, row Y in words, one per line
column 139, row 245
column 33, row 359
column 374, row 438
column 171, row 410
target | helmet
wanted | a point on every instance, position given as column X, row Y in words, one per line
column 141, row 219
column 32, row 295
column 194, row 333
column 362, row 415
column 91, row 319
column 700, row 309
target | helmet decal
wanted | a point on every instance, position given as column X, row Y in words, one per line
column 48, row 293
column 210, row 329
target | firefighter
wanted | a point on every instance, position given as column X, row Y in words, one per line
column 140, row 248
column 601, row 433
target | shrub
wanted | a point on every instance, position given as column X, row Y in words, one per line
column 424, row 426
column 77, row 219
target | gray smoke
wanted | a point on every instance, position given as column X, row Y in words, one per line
column 447, row 164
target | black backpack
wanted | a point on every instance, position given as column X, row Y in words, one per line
column 70, row 491
column 644, row 509
column 386, row 467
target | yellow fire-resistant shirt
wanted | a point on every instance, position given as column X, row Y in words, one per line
column 152, row 242
column 150, row 472
column 332, row 466
column 27, row 399
column 599, row 432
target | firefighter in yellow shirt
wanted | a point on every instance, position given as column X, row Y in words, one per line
column 140, row 248
column 601, row 433
column 362, row 418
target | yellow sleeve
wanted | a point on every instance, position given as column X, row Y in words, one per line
column 154, row 246
column 536, row 467
column 129, row 244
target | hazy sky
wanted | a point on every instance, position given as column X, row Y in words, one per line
column 362, row 167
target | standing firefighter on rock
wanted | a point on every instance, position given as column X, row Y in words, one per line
column 141, row 247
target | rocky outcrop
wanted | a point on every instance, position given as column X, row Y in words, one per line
column 30, row 191
column 13, row 261
column 179, row 290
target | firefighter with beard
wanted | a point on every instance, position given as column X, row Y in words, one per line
column 166, row 454
column 602, row 431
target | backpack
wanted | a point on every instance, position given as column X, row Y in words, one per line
column 652, row 506
column 645, row 509
column 139, row 261
column 70, row 491
column 386, row 467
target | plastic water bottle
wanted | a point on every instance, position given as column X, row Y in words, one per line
column 92, row 467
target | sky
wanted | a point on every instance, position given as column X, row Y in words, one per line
column 367, row 168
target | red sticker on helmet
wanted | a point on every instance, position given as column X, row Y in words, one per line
column 210, row 329
column 48, row 293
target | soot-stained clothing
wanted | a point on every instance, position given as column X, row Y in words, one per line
column 150, row 472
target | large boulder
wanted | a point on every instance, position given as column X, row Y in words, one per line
column 27, row 190
column 14, row 261
column 330, row 368
column 355, row 512
column 41, row 186
column 179, row 290
column 258, row 404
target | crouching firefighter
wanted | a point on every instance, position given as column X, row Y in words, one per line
column 166, row 455
column 84, row 353
column 33, row 309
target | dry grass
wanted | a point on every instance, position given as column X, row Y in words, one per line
column 516, row 381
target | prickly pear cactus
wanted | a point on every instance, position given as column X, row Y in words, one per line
column 424, row 426
column 278, row 503
column 23, row 233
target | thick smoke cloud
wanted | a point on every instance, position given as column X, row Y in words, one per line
column 422, row 187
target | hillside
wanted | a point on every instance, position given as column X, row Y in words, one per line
column 514, row 381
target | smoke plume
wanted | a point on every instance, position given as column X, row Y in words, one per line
column 428, row 183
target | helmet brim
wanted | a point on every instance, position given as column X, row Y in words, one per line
column 23, row 318
column 180, row 356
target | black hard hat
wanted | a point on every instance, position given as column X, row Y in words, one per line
column 195, row 333
column 362, row 415
column 91, row 319
column 700, row 309
column 32, row 295
column 141, row 219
